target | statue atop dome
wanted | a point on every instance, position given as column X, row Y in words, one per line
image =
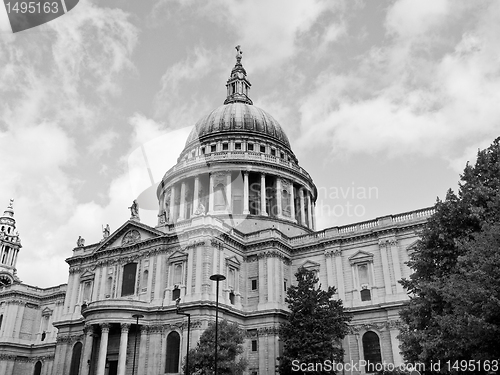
column 239, row 52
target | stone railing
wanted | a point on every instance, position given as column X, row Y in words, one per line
column 235, row 155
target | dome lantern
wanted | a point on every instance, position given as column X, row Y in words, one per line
column 238, row 85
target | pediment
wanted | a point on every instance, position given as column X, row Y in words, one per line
column 361, row 257
column 46, row 312
column 128, row 234
column 310, row 265
column 87, row 275
column 233, row 262
column 412, row 247
column 177, row 256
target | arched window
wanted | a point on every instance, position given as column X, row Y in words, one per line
column 128, row 284
column 75, row 359
column 371, row 349
column 173, row 351
column 38, row 368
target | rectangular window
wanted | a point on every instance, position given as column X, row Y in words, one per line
column 203, row 150
column 225, row 146
column 254, row 284
column 232, row 278
column 250, row 147
column 237, row 146
column 128, row 283
column 282, row 155
column 254, row 345
column 273, row 152
column 177, row 273
column 262, row 148
column 213, row 148
column 284, row 285
column 363, row 274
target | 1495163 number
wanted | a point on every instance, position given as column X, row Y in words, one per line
column 32, row 7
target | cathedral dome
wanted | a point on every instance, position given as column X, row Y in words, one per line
column 238, row 117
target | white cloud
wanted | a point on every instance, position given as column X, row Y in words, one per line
column 409, row 102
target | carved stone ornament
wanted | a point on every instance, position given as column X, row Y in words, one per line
column 220, row 178
column 285, row 184
column 131, row 236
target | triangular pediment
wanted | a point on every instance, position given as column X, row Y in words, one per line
column 233, row 260
column 310, row 265
column 130, row 233
column 87, row 275
column 177, row 256
column 46, row 311
column 361, row 257
column 412, row 247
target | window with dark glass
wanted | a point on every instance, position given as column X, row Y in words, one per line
column 128, row 283
column 203, row 150
column 237, row 146
column 262, row 148
column 225, row 146
column 284, row 285
column 213, row 148
column 75, row 359
column 38, row 368
column 1, row 320
column 254, row 345
column 231, row 298
column 254, row 284
column 282, row 155
column 366, row 295
column 176, row 293
column 250, row 147
column 173, row 351
column 273, row 152
column 371, row 349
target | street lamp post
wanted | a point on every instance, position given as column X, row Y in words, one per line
column 217, row 278
column 177, row 302
column 137, row 317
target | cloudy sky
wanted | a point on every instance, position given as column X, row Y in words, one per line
column 383, row 101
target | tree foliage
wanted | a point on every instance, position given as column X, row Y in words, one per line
column 230, row 346
column 316, row 324
column 453, row 313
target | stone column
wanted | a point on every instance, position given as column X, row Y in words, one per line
column 172, row 204
column 292, row 202
column 211, row 195
column 313, row 214
column 393, row 244
column 103, row 349
column 122, row 354
column 263, row 211
column 182, row 203
column 340, row 274
column 246, row 211
column 385, row 266
column 302, row 207
column 87, row 350
column 195, row 193
column 229, row 203
column 278, row 197
column 309, row 210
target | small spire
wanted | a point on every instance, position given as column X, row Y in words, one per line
column 9, row 211
column 238, row 85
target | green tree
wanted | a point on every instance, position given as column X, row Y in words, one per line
column 230, row 339
column 453, row 299
column 315, row 327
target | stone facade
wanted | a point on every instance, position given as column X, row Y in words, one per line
column 237, row 203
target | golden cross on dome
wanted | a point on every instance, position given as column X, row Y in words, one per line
column 11, row 203
column 239, row 52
